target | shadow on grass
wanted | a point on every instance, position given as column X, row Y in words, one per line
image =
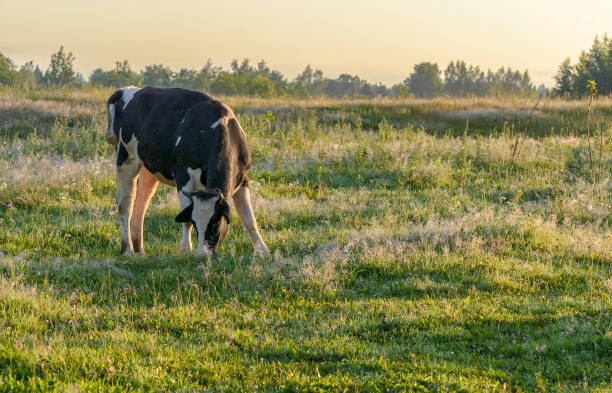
column 557, row 349
column 519, row 348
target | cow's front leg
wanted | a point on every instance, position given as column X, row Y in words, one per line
column 127, row 174
column 147, row 184
column 186, row 238
column 242, row 202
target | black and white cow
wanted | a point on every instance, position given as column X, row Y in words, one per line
column 187, row 139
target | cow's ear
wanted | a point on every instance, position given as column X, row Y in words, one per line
column 185, row 215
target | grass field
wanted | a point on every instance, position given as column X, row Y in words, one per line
column 410, row 252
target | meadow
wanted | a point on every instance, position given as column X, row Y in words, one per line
column 447, row 245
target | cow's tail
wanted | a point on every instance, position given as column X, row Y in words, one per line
column 112, row 135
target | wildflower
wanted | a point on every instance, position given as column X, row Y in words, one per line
column 10, row 206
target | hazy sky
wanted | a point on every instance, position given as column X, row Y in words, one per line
column 379, row 40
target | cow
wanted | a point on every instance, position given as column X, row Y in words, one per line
column 186, row 139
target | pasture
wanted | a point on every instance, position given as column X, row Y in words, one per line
column 410, row 252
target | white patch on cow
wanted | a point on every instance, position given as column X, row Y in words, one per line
column 128, row 94
column 110, row 134
column 111, row 121
column 216, row 123
column 131, row 146
column 242, row 203
column 195, row 181
column 177, row 141
column 203, row 210
column 126, row 187
column 182, row 121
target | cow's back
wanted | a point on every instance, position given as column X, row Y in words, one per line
column 152, row 117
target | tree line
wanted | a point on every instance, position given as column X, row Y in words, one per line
column 59, row 73
column 427, row 80
column 593, row 65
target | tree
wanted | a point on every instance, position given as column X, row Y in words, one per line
column 210, row 71
column 31, row 76
column 582, row 75
column 261, row 86
column 8, row 75
column 306, row 77
column 598, row 62
column 207, row 74
column 461, row 80
column 313, row 82
column 525, row 83
column 188, row 79
column 425, row 80
column 596, row 65
column 60, row 71
column 564, row 79
column 224, row 84
column 505, row 81
column 125, row 76
column 299, row 90
column 347, row 85
column 157, row 75
column 401, row 90
column 121, row 76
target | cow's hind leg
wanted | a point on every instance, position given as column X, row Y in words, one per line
column 242, row 202
column 187, row 226
column 127, row 173
column 147, row 184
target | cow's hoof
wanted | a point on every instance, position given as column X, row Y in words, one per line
column 138, row 250
column 126, row 249
column 261, row 250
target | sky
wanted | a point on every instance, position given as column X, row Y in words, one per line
column 378, row 40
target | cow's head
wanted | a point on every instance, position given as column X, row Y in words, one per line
column 209, row 212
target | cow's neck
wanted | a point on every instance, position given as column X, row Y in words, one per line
column 220, row 174
column 221, row 180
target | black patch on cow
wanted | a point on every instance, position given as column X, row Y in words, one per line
column 204, row 195
column 218, row 226
column 122, row 155
column 124, row 246
column 115, row 97
column 181, row 178
column 137, row 248
column 185, row 215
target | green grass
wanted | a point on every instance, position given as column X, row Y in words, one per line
column 405, row 256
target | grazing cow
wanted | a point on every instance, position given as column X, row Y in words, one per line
column 183, row 138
